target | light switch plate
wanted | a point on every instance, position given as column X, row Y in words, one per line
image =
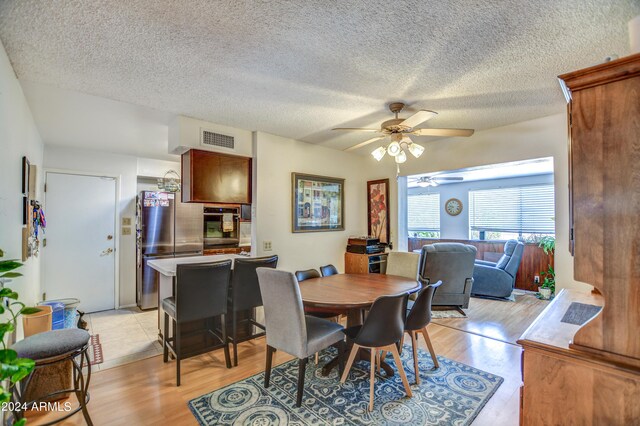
column 266, row 246
column 126, row 221
column 126, row 230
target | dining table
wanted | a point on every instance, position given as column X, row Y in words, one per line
column 354, row 293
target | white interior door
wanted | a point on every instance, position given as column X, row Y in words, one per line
column 79, row 256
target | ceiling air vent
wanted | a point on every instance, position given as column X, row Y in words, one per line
column 209, row 138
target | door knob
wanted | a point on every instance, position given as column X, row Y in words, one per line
column 109, row 237
column 106, row 252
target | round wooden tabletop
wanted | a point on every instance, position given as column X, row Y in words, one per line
column 353, row 290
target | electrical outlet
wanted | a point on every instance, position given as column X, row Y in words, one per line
column 536, row 279
column 266, row 246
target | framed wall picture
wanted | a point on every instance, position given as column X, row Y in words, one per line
column 317, row 203
column 378, row 208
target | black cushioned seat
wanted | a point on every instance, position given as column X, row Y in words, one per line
column 51, row 343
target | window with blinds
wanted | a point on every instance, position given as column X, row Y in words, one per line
column 423, row 215
column 521, row 210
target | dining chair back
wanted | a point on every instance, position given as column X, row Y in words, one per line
column 288, row 329
column 418, row 319
column 307, row 274
column 327, row 270
column 403, row 264
column 381, row 331
column 201, row 293
column 245, row 295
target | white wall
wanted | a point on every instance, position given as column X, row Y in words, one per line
column 126, row 168
column 275, row 159
column 18, row 137
column 457, row 227
column 542, row 137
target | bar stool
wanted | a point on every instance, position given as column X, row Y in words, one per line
column 245, row 295
column 49, row 350
column 201, row 293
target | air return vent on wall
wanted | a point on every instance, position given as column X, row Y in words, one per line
column 209, row 138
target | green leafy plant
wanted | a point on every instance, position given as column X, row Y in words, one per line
column 12, row 368
column 548, row 245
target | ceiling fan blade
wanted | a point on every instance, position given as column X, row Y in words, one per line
column 419, row 117
column 456, row 178
column 443, row 132
column 356, row 129
column 367, row 142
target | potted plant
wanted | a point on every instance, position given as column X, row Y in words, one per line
column 548, row 287
column 12, row 368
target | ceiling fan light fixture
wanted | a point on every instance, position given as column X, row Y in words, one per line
column 416, row 149
column 379, row 153
column 401, row 157
column 394, row 149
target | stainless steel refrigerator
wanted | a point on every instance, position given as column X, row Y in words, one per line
column 167, row 228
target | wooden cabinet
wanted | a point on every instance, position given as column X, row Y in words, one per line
column 590, row 375
column 211, row 177
column 355, row 263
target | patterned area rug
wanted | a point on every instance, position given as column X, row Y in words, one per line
column 95, row 350
column 452, row 395
column 447, row 313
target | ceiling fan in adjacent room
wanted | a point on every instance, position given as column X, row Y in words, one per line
column 426, row 181
column 399, row 130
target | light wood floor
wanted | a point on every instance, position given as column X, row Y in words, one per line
column 497, row 319
column 144, row 392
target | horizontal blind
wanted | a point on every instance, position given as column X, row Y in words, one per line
column 423, row 211
column 522, row 209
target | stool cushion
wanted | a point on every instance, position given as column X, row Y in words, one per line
column 51, row 343
column 169, row 306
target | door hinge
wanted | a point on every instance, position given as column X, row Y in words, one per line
column 45, row 187
column 44, row 296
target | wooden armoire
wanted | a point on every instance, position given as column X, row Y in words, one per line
column 590, row 374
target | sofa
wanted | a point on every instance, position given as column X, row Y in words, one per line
column 498, row 279
column 451, row 263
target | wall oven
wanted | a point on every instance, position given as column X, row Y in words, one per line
column 221, row 227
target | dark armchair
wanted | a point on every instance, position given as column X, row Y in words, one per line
column 497, row 279
column 451, row 263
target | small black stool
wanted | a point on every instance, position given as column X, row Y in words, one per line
column 50, row 349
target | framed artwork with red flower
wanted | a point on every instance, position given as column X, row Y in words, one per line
column 378, row 207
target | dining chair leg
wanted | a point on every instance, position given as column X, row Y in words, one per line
column 396, row 357
column 302, row 365
column 235, row 338
column 178, row 351
column 316, row 358
column 425, row 333
column 267, row 368
column 165, row 337
column 225, row 340
column 401, row 345
column 352, row 357
column 372, row 377
column 414, row 346
column 342, row 348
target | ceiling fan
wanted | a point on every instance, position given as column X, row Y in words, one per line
column 399, row 129
column 425, row 181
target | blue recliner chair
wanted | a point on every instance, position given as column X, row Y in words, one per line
column 497, row 279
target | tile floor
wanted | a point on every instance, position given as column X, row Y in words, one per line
column 126, row 335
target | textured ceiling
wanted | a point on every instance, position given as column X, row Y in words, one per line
column 297, row 69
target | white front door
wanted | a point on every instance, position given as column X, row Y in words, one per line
column 79, row 256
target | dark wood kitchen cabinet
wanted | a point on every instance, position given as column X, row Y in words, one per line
column 212, row 177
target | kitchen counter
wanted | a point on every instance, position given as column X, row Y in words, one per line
column 167, row 267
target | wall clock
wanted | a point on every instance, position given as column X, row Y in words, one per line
column 453, row 206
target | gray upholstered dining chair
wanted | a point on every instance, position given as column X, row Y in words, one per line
column 403, row 264
column 289, row 329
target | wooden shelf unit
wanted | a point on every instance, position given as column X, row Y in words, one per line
column 355, row 263
column 590, row 375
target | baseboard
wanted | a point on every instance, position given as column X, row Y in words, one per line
column 126, row 306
